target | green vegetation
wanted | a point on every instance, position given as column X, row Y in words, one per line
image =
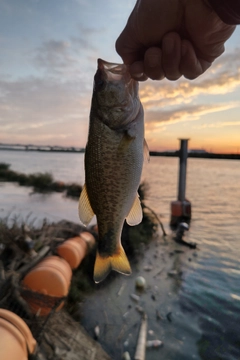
column 40, row 182
column 4, row 167
column 73, row 190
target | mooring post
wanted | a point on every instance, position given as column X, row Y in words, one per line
column 181, row 209
column 183, row 154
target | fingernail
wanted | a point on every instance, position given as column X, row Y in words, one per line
column 168, row 45
column 138, row 75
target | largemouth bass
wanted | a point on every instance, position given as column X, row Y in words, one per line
column 113, row 164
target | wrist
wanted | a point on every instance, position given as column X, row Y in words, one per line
column 227, row 10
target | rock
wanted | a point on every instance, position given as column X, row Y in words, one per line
column 135, row 297
column 140, row 282
column 97, row 332
column 148, row 267
column 169, row 316
column 174, row 273
column 158, row 315
column 140, row 309
column 126, row 356
column 154, row 343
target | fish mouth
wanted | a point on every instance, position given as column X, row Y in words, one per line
column 117, row 76
column 119, row 69
column 113, row 71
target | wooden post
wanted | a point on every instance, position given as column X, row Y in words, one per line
column 141, row 344
column 181, row 209
column 183, row 154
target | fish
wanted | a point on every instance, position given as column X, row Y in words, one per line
column 114, row 158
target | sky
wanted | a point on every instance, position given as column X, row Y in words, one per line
column 48, row 58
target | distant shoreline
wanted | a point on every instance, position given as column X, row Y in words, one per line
column 42, row 149
column 199, row 155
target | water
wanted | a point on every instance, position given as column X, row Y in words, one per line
column 208, row 296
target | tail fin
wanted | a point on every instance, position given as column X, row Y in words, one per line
column 117, row 262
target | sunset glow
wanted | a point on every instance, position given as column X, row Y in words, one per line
column 49, row 54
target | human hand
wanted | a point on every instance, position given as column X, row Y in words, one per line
column 171, row 38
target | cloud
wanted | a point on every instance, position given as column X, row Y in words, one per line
column 53, row 107
column 167, row 102
column 44, row 110
column 159, row 120
column 219, row 124
column 231, row 58
column 221, row 79
column 158, row 95
column 56, row 58
column 64, row 57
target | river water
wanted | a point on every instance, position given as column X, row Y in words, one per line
column 208, row 295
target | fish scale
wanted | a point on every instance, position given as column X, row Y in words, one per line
column 113, row 164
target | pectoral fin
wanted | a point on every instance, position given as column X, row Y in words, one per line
column 135, row 215
column 85, row 210
column 117, row 262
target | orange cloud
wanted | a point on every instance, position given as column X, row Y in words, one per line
column 160, row 119
column 158, row 95
column 219, row 125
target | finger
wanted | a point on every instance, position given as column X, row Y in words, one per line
column 171, row 55
column 153, row 63
column 137, row 71
column 127, row 44
column 190, row 65
column 126, row 48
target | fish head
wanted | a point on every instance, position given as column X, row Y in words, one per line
column 115, row 95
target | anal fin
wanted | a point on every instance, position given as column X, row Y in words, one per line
column 146, row 151
column 135, row 215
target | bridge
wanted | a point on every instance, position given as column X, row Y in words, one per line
column 47, row 148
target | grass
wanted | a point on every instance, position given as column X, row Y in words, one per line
column 40, row 182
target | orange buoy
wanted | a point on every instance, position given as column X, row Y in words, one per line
column 95, row 228
column 176, row 208
column 88, row 238
column 73, row 251
column 180, row 211
column 51, row 277
column 16, row 340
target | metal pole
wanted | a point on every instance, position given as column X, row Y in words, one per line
column 183, row 154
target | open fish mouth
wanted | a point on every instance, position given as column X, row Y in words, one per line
column 119, row 69
column 114, row 71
